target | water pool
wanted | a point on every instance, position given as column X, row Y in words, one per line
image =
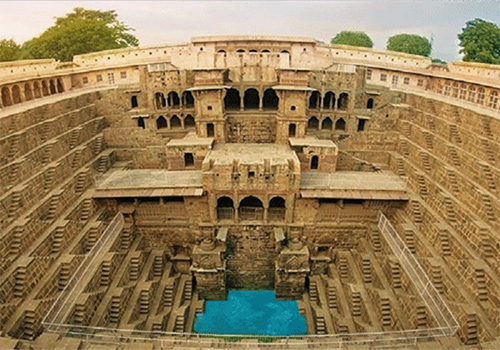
column 255, row 312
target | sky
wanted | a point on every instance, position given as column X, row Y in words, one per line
column 159, row 22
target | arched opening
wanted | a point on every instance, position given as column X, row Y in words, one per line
column 252, row 51
column 189, row 121
column 369, row 103
column 326, row 124
column 52, row 87
column 133, row 102
column 6, row 100
column 472, row 94
column 240, row 51
column 251, row 208
column 343, row 101
column 161, row 122
column 313, row 123
column 187, row 99
column 60, row 86
column 222, row 52
column 28, row 93
column 225, row 208
column 314, row 100
column 493, row 100
column 210, row 130
column 480, row 96
column 36, row 90
column 277, row 209
column 16, row 94
column 45, row 88
column 270, row 100
column 292, row 129
column 173, row 99
column 463, row 92
column 314, row 162
column 251, row 99
column 160, row 101
column 140, row 123
column 266, row 51
column 340, row 124
column 329, row 100
column 175, row 122
column 232, row 99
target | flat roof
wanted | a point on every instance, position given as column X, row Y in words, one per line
column 352, row 184
column 250, row 153
column 311, row 141
column 149, row 183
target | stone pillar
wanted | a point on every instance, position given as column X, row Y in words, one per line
column 292, row 268
column 209, row 269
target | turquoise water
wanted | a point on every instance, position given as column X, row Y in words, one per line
column 255, row 312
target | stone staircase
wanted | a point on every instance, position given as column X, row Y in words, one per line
column 320, row 325
column 57, row 240
column 449, row 209
column 422, row 186
column 313, row 292
column 332, row 297
column 168, row 296
column 15, row 204
column 14, row 146
column 489, row 154
column 179, row 324
column 386, row 315
column 454, row 134
column 54, row 203
column 488, row 176
column 105, row 273
column 49, row 178
column 455, row 159
column 452, row 181
column 416, row 211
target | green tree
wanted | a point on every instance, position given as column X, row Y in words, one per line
column 9, row 50
column 353, row 39
column 79, row 32
column 410, row 43
column 480, row 41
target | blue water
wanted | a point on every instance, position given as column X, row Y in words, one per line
column 255, row 312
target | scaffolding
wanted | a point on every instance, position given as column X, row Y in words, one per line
column 446, row 323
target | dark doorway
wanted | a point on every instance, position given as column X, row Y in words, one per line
column 161, row 122
column 314, row 162
column 251, row 99
column 271, row 100
column 140, row 122
column 232, row 100
column 210, row 130
column 188, row 159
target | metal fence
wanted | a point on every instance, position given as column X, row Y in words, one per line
column 63, row 305
column 447, row 324
column 430, row 296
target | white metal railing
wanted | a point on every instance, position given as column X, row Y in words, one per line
column 431, row 297
column 63, row 305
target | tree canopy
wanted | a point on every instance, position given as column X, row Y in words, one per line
column 9, row 50
column 352, row 38
column 79, row 32
column 410, row 43
column 480, row 41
